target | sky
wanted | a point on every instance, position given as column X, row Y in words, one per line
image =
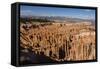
column 54, row 11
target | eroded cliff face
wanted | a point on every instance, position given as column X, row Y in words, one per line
column 59, row 41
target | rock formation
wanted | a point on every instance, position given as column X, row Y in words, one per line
column 59, row 41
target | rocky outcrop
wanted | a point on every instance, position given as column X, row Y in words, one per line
column 59, row 42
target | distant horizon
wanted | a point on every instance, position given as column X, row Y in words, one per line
column 55, row 16
column 30, row 11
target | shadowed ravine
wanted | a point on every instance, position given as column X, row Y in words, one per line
column 30, row 57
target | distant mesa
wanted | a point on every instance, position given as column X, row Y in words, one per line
column 60, row 19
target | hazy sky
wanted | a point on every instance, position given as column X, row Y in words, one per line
column 54, row 11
